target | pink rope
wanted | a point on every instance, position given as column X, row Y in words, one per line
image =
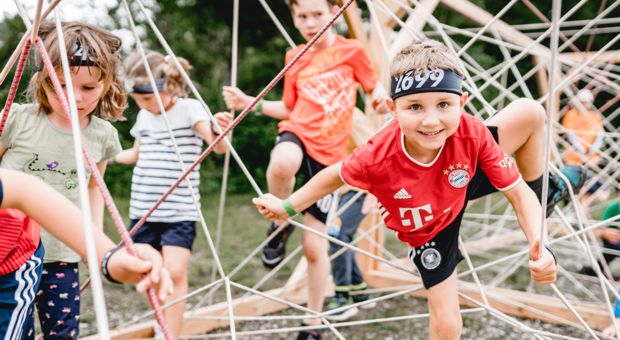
column 242, row 115
column 15, row 84
column 107, row 199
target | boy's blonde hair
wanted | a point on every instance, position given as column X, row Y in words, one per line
column 291, row 3
column 102, row 48
column 162, row 68
column 425, row 55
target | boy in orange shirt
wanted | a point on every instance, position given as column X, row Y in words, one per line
column 316, row 112
column 584, row 131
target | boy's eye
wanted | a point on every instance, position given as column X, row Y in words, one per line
column 416, row 107
column 443, row 105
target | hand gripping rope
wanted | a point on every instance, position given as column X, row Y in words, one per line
column 116, row 217
column 243, row 113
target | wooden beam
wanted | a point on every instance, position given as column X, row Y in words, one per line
column 195, row 323
column 353, row 17
column 612, row 57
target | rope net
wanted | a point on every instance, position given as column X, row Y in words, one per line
column 494, row 280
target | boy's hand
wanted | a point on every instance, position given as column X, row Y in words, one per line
column 147, row 270
column 270, row 207
column 379, row 100
column 612, row 235
column 542, row 269
column 223, row 119
column 235, row 99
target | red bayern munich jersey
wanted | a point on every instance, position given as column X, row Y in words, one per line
column 19, row 239
column 418, row 200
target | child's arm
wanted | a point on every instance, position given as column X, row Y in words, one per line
column 95, row 198
column 129, row 156
column 529, row 211
column 323, row 183
column 208, row 132
column 237, row 100
column 64, row 220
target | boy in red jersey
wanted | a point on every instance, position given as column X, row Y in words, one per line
column 425, row 165
column 316, row 111
column 24, row 199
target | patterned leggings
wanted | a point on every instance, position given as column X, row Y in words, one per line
column 57, row 302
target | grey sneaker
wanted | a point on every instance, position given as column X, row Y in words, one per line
column 341, row 300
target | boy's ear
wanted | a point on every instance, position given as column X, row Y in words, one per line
column 464, row 98
column 390, row 104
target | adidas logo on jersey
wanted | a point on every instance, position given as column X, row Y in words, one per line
column 402, row 194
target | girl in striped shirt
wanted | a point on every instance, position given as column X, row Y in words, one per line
column 171, row 228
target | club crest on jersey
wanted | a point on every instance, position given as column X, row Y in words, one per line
column 458, row 175
column 430, row 257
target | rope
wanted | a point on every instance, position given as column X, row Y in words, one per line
column 15, row 84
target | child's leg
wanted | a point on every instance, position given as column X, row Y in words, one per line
column 17, row 292
column 443, row 305
column 176, row 261
column 315, row 251
column 285, row 161
column 58, row 300
column 521, row 130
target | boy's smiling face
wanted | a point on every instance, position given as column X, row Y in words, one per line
column 427, row 120
column 309, row 16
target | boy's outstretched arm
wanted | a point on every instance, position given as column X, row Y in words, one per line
column 323, row 183
column 64, row 220
column 529, row 211
column 237, row 100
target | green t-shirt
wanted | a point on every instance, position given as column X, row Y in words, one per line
column 34, row 145
column 611, row 211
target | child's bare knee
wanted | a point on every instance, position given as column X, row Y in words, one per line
column 447, row 326
column 314, row 250
column 281, row 168
column 533, row 110
column 178, row 274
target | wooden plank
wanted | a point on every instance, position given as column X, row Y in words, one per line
column 608, row 56
column 594, row 314
column 353, row 18
column 252, row 306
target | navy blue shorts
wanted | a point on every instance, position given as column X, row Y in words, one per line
column 17, row 293
column 159, row 234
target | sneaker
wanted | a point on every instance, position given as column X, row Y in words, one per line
column 587, row 270
column 310, row 334
column 558, row 191
column 361, row 297
column 338, row 301
column 274, row 251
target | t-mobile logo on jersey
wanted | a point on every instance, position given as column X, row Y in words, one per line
column 416, row 215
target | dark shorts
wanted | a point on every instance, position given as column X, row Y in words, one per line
column 309, row 168
column 437, row 259
column 17, row 294
column 159, row 234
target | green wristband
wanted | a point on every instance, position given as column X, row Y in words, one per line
column 288, row 206
column 258, row 109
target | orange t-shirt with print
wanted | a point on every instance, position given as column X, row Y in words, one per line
column 321, row 90
column 585, row 126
